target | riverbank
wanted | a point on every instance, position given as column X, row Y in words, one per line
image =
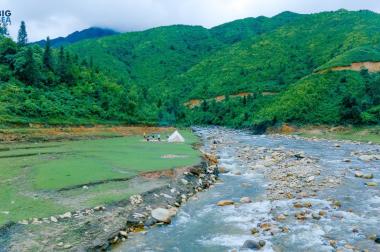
column 101, row 227
column 54, row 179
column 368, row 134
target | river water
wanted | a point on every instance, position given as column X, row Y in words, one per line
column 201, row 225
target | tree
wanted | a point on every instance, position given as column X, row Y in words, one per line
column 22, row 38
column 47, row 58
column 3, row 30
column 26, row 67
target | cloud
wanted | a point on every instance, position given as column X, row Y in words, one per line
column 59, row 18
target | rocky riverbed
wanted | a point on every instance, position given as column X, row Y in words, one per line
column 278, row 193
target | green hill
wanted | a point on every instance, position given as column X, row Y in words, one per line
column 160, row 69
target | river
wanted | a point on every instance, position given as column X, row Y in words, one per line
column 343, row 212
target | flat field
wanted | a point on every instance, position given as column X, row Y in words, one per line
column 39, row 179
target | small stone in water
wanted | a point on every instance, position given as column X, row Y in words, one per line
column 333, row 243
column 316, row 216
column 371, row 183
column 250, row 244
column 245, row 200
column 368, row 176
column 281, row 217
column 225, row 203
column 254, row 231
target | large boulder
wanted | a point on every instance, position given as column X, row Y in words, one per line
column 163, row 215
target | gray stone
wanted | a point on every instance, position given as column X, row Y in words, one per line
column 250, row 244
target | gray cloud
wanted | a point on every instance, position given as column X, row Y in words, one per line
column 59, row 18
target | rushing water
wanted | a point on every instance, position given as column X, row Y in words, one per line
column 202, row 226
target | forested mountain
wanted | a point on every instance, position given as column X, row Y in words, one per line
column 290, row 65
column 89, row 33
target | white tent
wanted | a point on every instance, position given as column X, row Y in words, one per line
column 176, row 138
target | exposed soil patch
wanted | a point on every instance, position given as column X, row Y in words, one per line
column 372, row 67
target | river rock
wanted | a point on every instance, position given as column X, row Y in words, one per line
column 368, row 176
column 371, row 183
column 67, row 246
column 162, row 214
column 366, row 158
column 265, row 226
column 316, row 216
column 223, row 170
column 225, row 203
column 359, row 174
column 245, row 200
column 254, row 231
column 310, row 179
column 136, row 199
column 377, row 240
column 250, row 244
column 123, row 234
column 281, row 217
column 53, row 219
column 66, row 215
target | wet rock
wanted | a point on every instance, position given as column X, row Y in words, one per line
column 162, row 214
column 53, row 219
column 316, row 216
column 246, row 185
column 284, row 229
column 299, row 155
column 307, row 204
column 250, row 244
column 333, row 243
column 99, row 208
column 150, row 222
column 368, row 176
column 359, row 174
column 223, row 170
column 265, row 226
column 322, row 213
column 337, row 204
column 67, row 246
column 300, row 216
column 245, row 200
column 254, row 231
column 66, row 215
column 366, row 158
column 281, row 217
column 377, row 240
column 184, row 181
column 371, row 183
column 136, row 199
column 310, row 179
column 225, row 203
column 123, row 234
column 297, row 205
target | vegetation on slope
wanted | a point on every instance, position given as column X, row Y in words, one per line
column 146, row 77
column 358, row 54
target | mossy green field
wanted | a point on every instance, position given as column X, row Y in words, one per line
column 33, row 175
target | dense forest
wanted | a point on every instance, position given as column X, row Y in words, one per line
column 284, row 63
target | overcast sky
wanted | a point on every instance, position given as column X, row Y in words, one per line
column 59, row 18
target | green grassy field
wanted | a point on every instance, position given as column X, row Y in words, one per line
column 31, row 175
